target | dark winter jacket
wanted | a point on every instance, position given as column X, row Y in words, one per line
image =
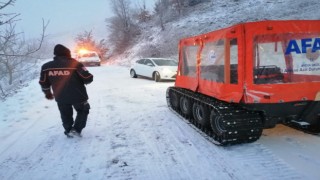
column 66, row 77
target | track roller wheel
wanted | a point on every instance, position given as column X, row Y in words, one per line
column 186, row 106
column 217, row 126
column 201, row 114
column 174, row 100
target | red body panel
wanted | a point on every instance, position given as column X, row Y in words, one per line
column 224, row 63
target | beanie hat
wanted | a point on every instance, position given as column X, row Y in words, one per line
column 60, row 50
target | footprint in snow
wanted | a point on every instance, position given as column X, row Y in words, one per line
column 88, row 170
column 115, row 161
column 124, row 164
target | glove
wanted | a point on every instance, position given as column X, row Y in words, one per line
column 49, row 96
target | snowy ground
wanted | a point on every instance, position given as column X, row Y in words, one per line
column 131, row 134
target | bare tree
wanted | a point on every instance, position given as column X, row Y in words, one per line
column 178, row 5
column 102, row 48
column 11, row 37
column 142, row 14
column 121, row 27
column 6, row 18
column 161, row 7
column 15, row 51
column 45, row 52
column 86, row 40
column 121, row 8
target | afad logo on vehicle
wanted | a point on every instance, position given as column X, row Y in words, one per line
column 311, row 49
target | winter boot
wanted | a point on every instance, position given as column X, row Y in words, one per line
column 68, row 134
column 75, row 132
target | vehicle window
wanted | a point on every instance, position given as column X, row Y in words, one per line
column 287, row 58
column 141, row 61
column 213, row 61
column 147, row 62
column 165, row 62
column 234, row 61
column 89, row 55
column 189, row 61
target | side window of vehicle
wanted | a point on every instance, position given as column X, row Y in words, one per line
column 189, row 67
column 234, row 61
column 141, row 61
column 148, row 62
column 213, row 61
column 219, row 61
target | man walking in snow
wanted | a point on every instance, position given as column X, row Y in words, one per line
column 67, row 78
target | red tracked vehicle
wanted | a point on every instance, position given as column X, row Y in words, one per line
column 232, row 83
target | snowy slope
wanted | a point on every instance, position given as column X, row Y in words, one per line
column 131, row 134
column 209, row 16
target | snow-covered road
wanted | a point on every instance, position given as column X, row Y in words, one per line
column 131, row 134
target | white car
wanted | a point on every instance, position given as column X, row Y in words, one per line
column 89, row 58
column 155, row 68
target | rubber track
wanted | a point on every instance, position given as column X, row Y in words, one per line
column 240, row 125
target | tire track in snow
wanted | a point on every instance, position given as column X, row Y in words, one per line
column 33, row 165
column 214, row 157
column 271, row 166
column 15, row 159
column 98, row 128
column 119, row 145
column 159, row 155
column 261, row 163
column 119, row 162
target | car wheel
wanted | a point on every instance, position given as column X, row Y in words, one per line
column 133, row 73
column 156, row 77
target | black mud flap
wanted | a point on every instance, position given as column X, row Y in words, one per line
column 313, row 129
column 312, row 117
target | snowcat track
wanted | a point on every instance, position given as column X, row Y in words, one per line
column 239, row 125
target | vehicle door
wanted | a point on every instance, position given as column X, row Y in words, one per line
column 139, row 67
column 148, row 68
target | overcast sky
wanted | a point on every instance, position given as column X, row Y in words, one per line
column 67, row 17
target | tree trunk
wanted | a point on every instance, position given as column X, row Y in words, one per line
column 10, row 73
column 161, row 23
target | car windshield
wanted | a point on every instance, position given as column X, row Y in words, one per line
column 165, row 62
column 89, row 55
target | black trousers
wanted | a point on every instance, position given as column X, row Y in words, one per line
column 66, row 112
